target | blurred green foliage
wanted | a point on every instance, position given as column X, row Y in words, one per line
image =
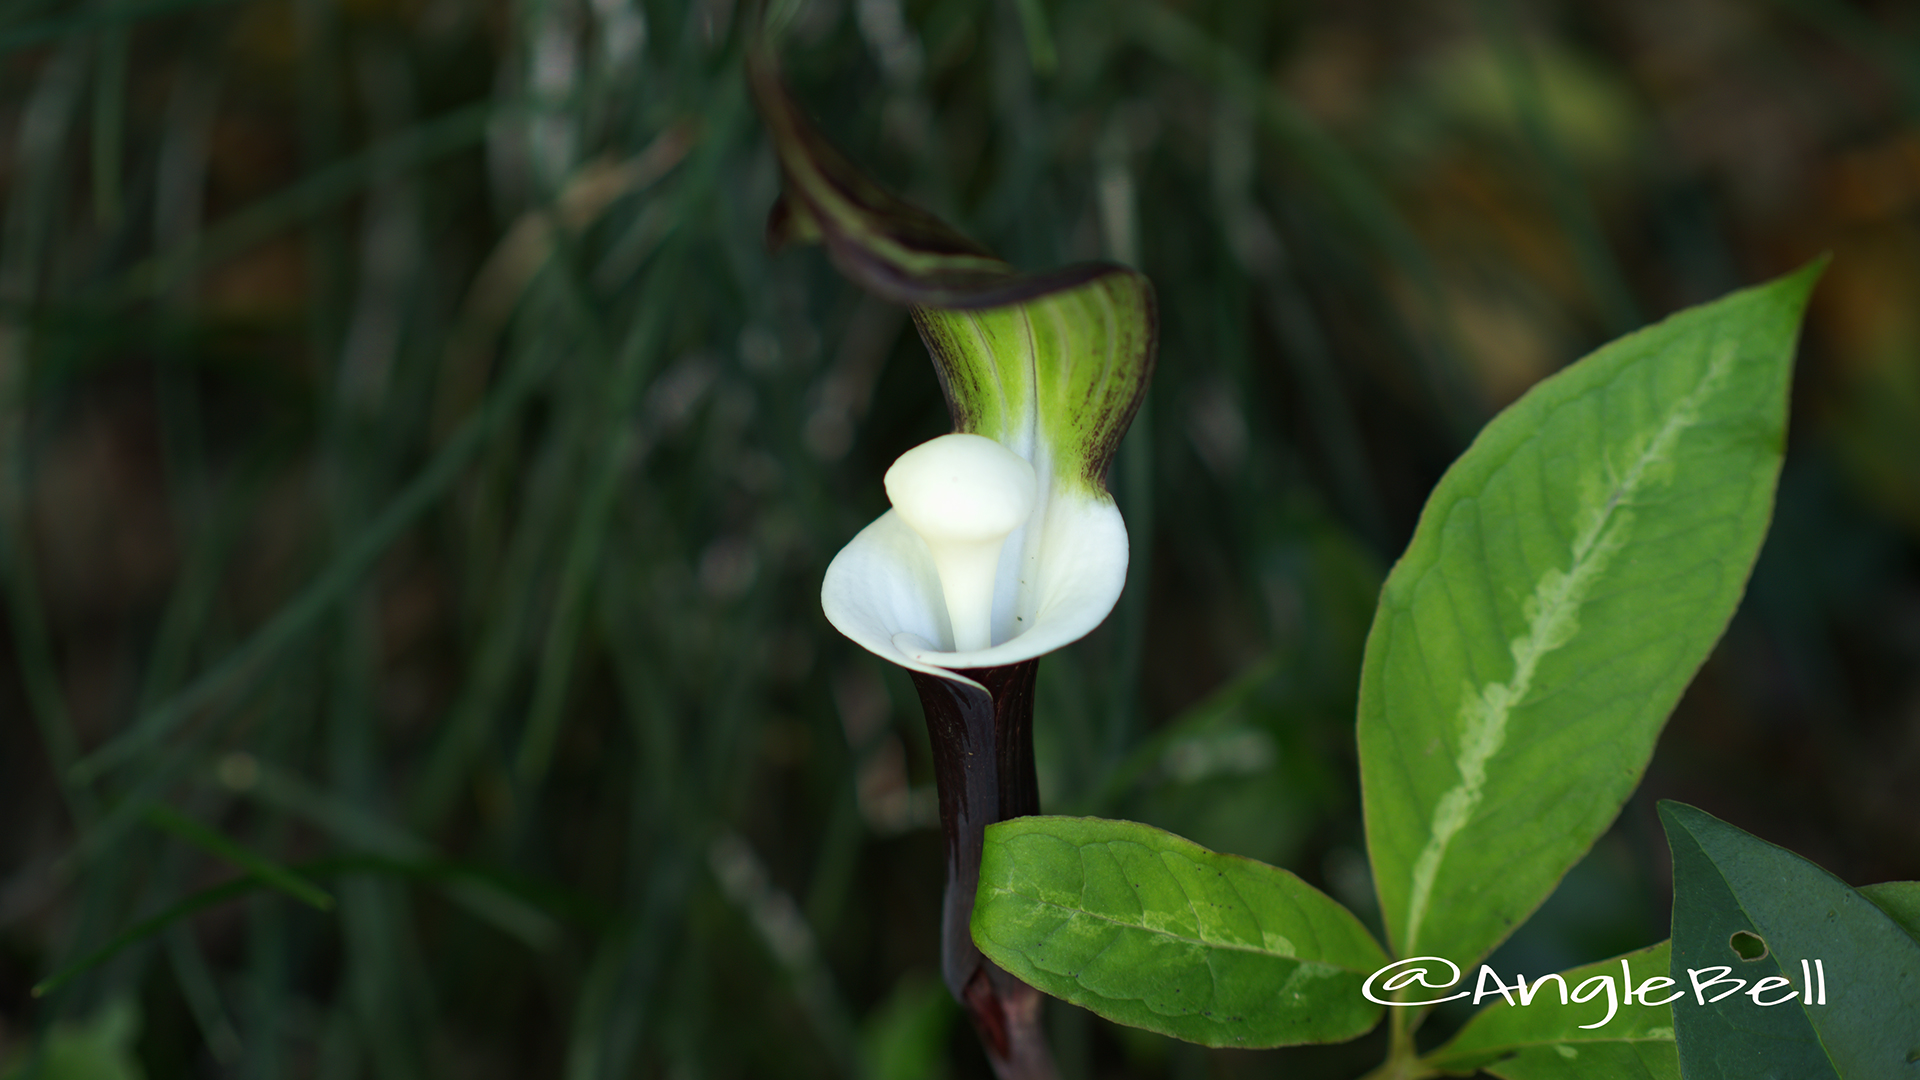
column 413, row 467
column 100, row 1049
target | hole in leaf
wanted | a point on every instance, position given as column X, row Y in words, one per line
column 1747, row 946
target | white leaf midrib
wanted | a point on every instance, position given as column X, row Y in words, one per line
column 1552, row 620
column 1083, row 913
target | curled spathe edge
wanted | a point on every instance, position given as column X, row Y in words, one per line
column 882, row 592
column 1052, row 365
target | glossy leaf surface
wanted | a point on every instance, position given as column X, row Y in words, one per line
column 1568, row 576
column 1157, row 932
column 1730, row 887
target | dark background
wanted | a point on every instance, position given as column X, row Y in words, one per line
column 406, row 383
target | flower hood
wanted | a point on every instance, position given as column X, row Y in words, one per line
column 1055, row 378
column 1051, row 366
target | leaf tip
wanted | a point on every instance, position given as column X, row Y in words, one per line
column 1797, row 286
column 1670, row 809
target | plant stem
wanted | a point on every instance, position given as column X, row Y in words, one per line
column 1403, row 1060
column 1401, row 1068
column 983, row 767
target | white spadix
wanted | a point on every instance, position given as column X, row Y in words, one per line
column 964, row 495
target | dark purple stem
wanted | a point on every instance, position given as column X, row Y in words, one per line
column 983, row 767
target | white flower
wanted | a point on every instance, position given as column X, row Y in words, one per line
column 1053, row 373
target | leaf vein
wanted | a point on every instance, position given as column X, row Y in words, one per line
column 1083, row 913
column 1552, row 616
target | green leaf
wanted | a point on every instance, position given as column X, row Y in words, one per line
column 1157, row 932
column 1568, row 576
column 103, row 1047
column 1900, row 900
column 1729, row 888
column 1544, row 1037
column 906, row 1037
column 1059, row 374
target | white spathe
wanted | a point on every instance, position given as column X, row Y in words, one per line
column 1059, row 574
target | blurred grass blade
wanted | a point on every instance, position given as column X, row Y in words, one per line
column 109, row 126
column 140, row 931
column 612, row 1013
column 1893, row 52
column 613, row 458
column 334, row 583
column 184, row 623
column 1166, row 33
column 1578, row 219
column 1033, row 23
column 29, row 243
column 453, row 876
column 1196, row 720
column 95, row 18
column 510, row 905
column 40, row 674
column 324, row 189
column 776, row 919
column 272, row 873
column 526, row 249
column 202, row 994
